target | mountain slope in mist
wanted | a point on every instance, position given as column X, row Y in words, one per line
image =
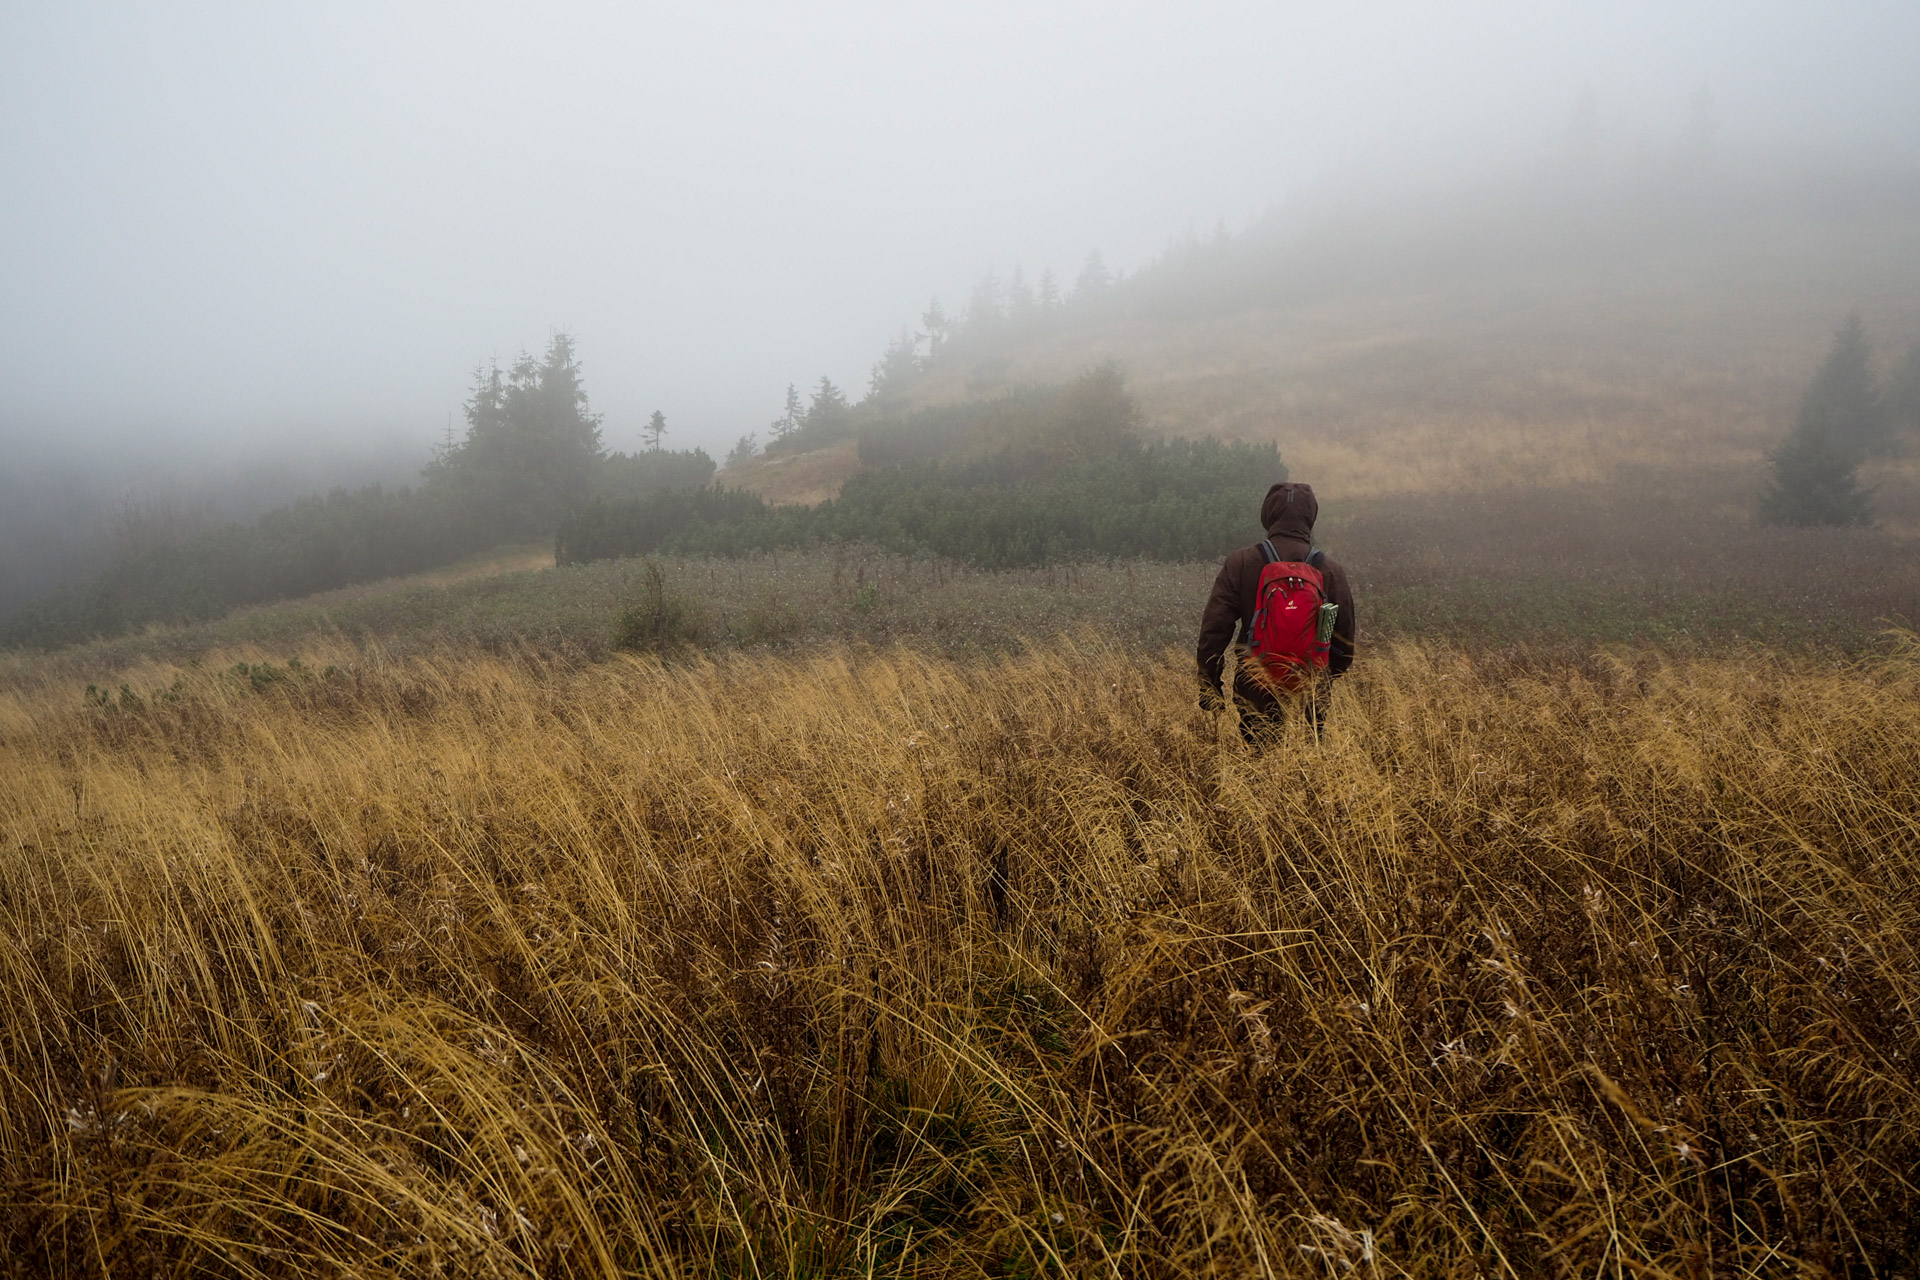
column 1546, row 328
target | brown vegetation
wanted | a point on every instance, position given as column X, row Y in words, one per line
column 870, row 963
column 803, row 478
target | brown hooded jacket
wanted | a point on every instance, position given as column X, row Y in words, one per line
column 1287, row 514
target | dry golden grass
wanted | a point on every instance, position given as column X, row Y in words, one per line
column 797, row 478
column 873, row 963
column 517, row 559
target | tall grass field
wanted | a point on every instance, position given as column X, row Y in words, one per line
column 867, row 961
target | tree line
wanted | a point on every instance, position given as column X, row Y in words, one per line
column 997, row 311
column 1044, row 476
column 531, row 452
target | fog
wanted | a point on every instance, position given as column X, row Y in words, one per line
column 241, row 226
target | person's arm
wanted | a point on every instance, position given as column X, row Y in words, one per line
column 1217, row 624
column 1346, row 626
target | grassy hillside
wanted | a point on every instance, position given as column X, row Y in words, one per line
column 1536, row 334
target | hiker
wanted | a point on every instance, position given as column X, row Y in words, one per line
column 1301, row 657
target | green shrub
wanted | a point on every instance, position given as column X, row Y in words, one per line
column 1178, row 500
column 661, row 619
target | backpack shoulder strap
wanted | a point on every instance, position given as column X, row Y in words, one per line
column 1268, row 554
column 1317, row 558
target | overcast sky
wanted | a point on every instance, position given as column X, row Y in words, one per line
column 237, row 222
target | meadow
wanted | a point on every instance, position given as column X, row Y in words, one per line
column 853, row 959
column 1541, row 572
column 834, row 912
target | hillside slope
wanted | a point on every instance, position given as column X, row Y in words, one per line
column 1583, row 336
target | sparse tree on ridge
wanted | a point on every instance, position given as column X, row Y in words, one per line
column 789, row 420
column 743, row 449
column 1816, row 469
column 655, row 429
column 896, row 367
column 1020, row 301
column 938, row 327
column 984, row 309
column 829, row 405
column 1094, row 279
column 1049, row 290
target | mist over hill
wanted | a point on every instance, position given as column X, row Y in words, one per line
column 1558, row 323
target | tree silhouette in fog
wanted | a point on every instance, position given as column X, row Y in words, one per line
column 829, row 407
column 789, row 421
column 1816, row 470
column 985, row 309
column 895, row 369
column 938, row 327
column 1020, row 299
column 1094, row 279
column 1049, row 296
column 531, row 445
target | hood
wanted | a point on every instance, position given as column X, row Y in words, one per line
column 1289, row 512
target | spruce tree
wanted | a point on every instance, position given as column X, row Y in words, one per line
column 531, row 448
column 1049, row 297
column 1814, row 483
column 938, row 327
column 1094, row 279
column 1816, row 470
column 985, row 308
column 895, row 369
column 1844, row 400
column 789, row 421
column 829, row 405
column 1020, row 299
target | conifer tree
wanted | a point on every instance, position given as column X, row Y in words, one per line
column 1844, row 399
column 789, row 421
column 1816, row 470
column 984, row 309
column 829, row 405
column 938, row 327
column 1020, row 300
column 1094, row 278
column 895, row 368
column 531, row 447
column 1049, row 290
column 1815, row 483
column 655, row 429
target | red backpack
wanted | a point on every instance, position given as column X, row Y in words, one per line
column 1292, row 620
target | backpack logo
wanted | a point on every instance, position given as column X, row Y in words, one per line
column 1292, row 632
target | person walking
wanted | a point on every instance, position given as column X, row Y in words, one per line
column 1293, row 608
